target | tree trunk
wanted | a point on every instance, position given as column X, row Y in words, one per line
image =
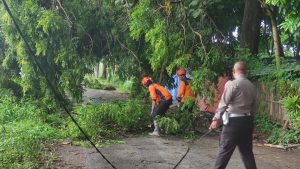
column 161, row 75
column 96, row 70
column 297, row 55
column 278, row 49
column 251, row 26
column 276, row 38
column 266, row 42
column 104, row 72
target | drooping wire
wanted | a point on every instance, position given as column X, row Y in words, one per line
column 177, row 164
column 188, row 149
column 57, row 95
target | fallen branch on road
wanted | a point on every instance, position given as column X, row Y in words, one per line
column 285, row 147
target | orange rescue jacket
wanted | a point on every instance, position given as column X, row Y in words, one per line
column 185, row 91
column 158, row 93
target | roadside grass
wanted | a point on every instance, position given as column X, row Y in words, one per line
column 106, row 121
column 23, row 135
column 276, row 134
column 123, row 86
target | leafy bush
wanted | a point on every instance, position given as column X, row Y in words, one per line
column 134, row 116
column 113, row 83
column 168, row 125
column 107, row 119
column 11, row 111
column 9, row 86
column 94, row 83
column 22, row 134
column 181, row 122
column 292, row 105
column 22, row 143
column 263, row 123
column 97, row 121
column 283, row 137
column 124, row 87
column 276, row 135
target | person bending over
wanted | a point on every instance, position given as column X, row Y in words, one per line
column 161, row 101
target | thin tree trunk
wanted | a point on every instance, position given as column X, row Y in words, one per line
column 251, row 26
column 297, row 55
column 104, row 72
column 276, row 38
column 161, row 75
column 96, row 70
column 272, row 46
column 266, row 39
column 269, row 10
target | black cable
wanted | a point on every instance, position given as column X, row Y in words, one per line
column 57, row 95
column 205, row 134
column 188, row 149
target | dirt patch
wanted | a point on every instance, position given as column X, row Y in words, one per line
column 69, row 157
column 95, row 96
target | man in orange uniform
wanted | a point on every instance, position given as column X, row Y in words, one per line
column 161, row 101
column 185, row 88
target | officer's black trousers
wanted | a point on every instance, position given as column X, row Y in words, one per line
column 237, row 133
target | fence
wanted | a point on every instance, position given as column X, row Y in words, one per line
column 270, row 103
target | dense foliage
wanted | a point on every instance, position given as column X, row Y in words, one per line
column 180, row 120
column 275, row 134
column 96, row 84
column 132, row 38
column 106, row 120
column 23, row 132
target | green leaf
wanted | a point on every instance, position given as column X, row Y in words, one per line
column 196, row 13
column 194, row 3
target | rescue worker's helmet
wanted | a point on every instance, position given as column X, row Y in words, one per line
column 147, row 81
column 181, row 72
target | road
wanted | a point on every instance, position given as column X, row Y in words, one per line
column 146, row 152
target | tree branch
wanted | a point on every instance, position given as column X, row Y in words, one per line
column 125, row 47
column 64, row 11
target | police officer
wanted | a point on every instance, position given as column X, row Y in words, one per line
column 237, row 106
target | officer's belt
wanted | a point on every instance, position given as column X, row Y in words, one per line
column 239, row 114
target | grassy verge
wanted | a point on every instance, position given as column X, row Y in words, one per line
column 276, row 134
column 104, row 122
column 108, row 84
column 23, row 135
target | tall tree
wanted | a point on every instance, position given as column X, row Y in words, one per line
column 289, row 14
column 251, row 26
column 272, row 14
